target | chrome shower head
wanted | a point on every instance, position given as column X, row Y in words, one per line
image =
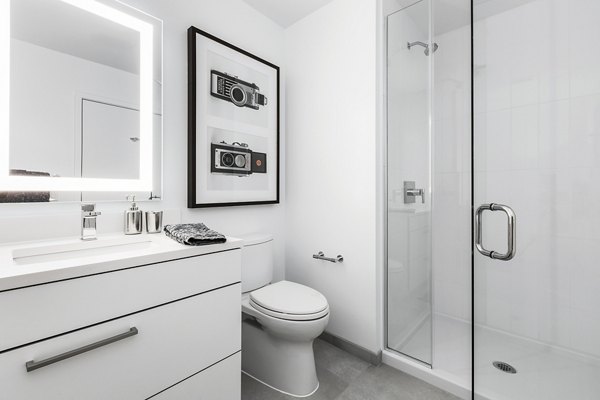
column 425, row 45
column 435, row 47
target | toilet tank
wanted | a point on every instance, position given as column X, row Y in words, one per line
column 257, row 261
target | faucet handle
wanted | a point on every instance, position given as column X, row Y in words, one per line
column 88, row 221
column 89, row 210
column 88, row 207
column 410, row 192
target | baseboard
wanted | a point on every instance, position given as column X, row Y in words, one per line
column 354, row 349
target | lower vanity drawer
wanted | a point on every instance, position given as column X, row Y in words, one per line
column 173, row 342
column 219, row 382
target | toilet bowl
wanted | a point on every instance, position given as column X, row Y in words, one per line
column 279, row 324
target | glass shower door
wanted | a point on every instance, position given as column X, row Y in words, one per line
column 409, row 298
column 536, row 153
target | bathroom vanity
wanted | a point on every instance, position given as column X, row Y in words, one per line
column 120, row 319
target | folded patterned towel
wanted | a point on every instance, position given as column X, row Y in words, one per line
column 194, row 234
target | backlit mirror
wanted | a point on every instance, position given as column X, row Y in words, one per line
column 84, row 103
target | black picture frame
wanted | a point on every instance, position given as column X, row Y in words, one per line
column 193, row 157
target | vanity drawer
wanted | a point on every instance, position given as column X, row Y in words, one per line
column 174, row 341
column 40, row 312
column 222, row 381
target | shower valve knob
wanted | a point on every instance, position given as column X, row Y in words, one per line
column 410, row 192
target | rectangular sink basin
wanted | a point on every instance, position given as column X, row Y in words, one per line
column 77, row 248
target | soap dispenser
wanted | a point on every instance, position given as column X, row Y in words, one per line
column 133, row 218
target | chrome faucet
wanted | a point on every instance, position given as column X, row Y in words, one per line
column 88, row 221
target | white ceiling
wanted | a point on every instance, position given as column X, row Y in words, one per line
column 286, row 12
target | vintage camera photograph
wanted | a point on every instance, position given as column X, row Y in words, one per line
column 231, row 88
column 233, row 131
column 238, row 161
column 237, row 92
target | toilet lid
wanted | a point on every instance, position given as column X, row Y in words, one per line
column 289, row 298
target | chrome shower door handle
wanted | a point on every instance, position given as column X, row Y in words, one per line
column 512, row 232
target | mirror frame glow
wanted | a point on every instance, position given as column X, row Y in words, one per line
column 29, row 183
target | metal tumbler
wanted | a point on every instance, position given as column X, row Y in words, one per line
column 154, row 222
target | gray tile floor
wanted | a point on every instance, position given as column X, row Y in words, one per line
column 345, row 377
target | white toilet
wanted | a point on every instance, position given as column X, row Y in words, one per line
column 280, row 322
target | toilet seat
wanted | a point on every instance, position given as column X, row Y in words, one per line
column 289, row 301
column 289, row 317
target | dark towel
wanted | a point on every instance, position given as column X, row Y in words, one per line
column 194, row 234
column 25, row 197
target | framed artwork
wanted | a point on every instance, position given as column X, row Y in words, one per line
column 233, row 125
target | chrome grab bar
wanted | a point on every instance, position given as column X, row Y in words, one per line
column 512, row 232
column 33, row 365
column 321, row 256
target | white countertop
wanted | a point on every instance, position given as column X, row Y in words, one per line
column 153, row 248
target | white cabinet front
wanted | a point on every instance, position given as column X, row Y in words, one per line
column 173, row 342
column 219, row 382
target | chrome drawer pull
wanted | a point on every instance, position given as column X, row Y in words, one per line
column 33, row 365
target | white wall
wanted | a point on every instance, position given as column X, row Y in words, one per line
column 331, row 60
column 235, row 22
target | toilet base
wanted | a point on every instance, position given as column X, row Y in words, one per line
column 280, row 391
column 285, row 365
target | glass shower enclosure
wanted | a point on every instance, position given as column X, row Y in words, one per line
column 409, row 206
column 493, row 166
column 428, row 164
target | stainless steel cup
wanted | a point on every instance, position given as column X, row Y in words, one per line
column 154, row 222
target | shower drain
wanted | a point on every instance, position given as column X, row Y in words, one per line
column 504, row 367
